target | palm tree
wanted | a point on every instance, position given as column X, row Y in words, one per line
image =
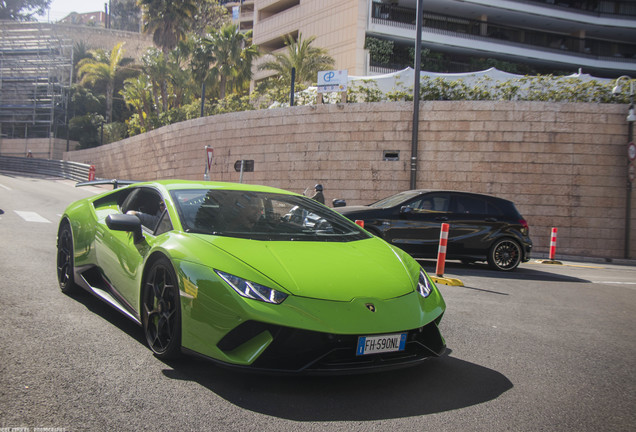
column 102, row 67
column 80, row 52
column 180, row 77
column 209, row 14
column 137, row 95
column 167, row 20
column 231, row 54
column 306, row 59
column 201, row 58
column 156, row 68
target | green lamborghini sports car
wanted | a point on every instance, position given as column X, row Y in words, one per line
column 250, row 276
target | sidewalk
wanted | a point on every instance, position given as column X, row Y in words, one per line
column 596, row 260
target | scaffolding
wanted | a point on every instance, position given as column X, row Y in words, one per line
column 36, row 68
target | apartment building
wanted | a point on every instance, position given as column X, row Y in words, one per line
column 377, row 36
column 241, row 11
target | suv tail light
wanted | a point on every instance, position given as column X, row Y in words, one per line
column 525, row 229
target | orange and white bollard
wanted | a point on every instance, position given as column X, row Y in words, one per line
column 441, row 251
column 360, row 223
column 553, row 239
column 91, row 173
column 441, row 260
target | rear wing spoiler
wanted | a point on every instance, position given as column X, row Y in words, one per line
column 116, row 183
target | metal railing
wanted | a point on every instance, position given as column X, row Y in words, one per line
column 46, row 167
column 396, row 16
column 594, row 7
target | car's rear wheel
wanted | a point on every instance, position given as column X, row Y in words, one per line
column 65, row 269
column 161, row 313
column 504, row 255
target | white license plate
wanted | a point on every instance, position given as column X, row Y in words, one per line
column 381, row 343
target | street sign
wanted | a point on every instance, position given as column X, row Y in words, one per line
column 248, row 165
column 632, row 173
column 332, row 81
column 631, row 151
column 209, row 154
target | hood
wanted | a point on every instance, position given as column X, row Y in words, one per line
column 321, row 270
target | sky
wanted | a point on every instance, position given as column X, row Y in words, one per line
column 61, row 8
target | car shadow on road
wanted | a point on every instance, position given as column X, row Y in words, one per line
column 111, row 315
column 441, row 384
column 523, row 272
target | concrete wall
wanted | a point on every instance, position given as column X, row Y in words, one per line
column 42, row 148
column 135, row 46
column 563, row 164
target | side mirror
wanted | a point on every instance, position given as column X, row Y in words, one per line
column 125, row 222
column 339, row 203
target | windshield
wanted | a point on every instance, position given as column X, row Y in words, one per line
column 261, row 216
column 396, row 199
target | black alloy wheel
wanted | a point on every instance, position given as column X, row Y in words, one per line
column 161, row 311
column 65, row 270
column 505, row 255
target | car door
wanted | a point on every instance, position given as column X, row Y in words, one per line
column 119, row 256
column 472, row 225
column 416, row 229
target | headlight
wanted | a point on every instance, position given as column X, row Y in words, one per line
column 424, row 285
column 252, row 290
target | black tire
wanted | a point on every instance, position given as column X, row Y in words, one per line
column 161, row 310
column 65, row 262
column 504, row 255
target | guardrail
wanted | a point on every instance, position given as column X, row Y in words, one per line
column 56, row 168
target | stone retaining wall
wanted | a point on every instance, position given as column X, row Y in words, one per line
column 563, row 164
column 135, row 46
column 41, row 148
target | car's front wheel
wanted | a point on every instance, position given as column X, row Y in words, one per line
column 161, row 312
column 65, row 269
column 504, row 255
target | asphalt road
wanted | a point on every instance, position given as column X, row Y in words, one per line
column 546, row 348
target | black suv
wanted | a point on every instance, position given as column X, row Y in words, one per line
column 482, row 227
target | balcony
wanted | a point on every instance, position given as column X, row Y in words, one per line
column 598, row 8
column 500, row 40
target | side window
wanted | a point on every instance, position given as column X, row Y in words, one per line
column 467, row 204
column 165, row 224
column 430, row 203
column 149, row 207
column 129, row 201
column 497, row 209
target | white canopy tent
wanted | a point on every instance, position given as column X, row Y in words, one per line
column 404, row 79
column 489, row 79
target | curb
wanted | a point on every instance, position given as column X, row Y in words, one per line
column 446, row 281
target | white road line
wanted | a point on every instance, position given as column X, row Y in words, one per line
column 5, row 187
column 614, row 282
column 31, row 216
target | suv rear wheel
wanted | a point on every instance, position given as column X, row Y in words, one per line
column 504, row 255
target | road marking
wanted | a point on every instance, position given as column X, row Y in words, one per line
column 571, row 265
column 31, row 216
column 5, row 187
column 614, row 282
